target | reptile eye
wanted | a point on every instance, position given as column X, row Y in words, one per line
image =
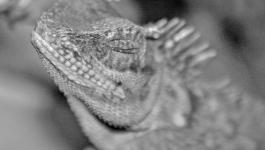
column 124, row 46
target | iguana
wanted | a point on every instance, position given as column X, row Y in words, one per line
column 129, row 85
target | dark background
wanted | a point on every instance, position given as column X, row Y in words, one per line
column 34, row 114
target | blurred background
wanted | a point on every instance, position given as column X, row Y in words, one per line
column 34, row 114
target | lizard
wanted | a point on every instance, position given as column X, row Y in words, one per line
column 117, row 74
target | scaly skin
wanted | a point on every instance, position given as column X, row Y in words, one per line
column 102, row 59
column 103, row 56
column 119, row 71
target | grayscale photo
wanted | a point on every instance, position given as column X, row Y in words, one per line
column 132, row 75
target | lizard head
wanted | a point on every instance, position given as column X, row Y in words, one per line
column 108, row 54
column 101, row 62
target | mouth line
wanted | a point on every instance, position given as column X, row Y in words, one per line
column 77, row 72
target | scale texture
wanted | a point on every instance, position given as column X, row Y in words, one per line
column 133, row 87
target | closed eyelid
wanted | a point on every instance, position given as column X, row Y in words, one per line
column 115, row 40
column 126, row 51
